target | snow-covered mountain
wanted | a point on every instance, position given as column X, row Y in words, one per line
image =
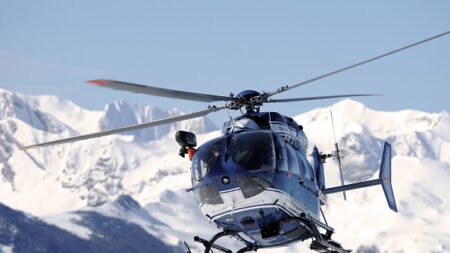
column 20, row 232
column 139, row 177
column 84, row 173
column 362, row 133
column 421, row 172
column 118, row 114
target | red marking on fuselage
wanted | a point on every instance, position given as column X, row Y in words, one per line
column 191, row 153
column 98, row 82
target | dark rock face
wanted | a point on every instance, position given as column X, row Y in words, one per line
column 28, row 234
column 116, row 235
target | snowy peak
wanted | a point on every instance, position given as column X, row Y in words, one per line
column 125, row 204
column 14, row 105
column 124, row 181
column 361, row 133
column 125, row 207
column 6, row 104
column 119, row 114
column 54, row 115
column 85, row 173
column 354, row 116
column 197, row 125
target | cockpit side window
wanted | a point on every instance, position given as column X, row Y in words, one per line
column 292, row 160
column 305, row 168
column 205, row 158
column 281, row 154
column 307, row 172
column 310, row 170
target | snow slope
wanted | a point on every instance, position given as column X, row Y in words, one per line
column 23, row 233
column 86, row 173
column 141, row 179
column 421, row 171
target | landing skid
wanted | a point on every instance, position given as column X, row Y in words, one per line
column 320, row 242
column 209, row 245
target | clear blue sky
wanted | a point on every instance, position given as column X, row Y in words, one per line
column 52, row 47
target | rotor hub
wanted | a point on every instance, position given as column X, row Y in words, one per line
column 247, row 95
column 249, row 98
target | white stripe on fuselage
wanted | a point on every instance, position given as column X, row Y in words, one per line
column 234, row 202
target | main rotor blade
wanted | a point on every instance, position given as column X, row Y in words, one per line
column 285, row 88
column 156, row 91
column 127, row 128
column 318, row 98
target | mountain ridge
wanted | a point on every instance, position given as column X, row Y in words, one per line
column 150, row 178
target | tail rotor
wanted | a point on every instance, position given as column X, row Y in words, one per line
column 337, row 156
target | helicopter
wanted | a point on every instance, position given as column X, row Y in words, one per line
column 255, row 181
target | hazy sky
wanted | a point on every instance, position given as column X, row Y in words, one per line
column 218, row 47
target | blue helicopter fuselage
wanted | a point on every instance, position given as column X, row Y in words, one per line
column 256, row 176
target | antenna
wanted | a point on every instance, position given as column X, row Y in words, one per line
column 231, row 120
column 270, row 118
column 337, row 155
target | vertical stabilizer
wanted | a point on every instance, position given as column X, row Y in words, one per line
column 385, row 176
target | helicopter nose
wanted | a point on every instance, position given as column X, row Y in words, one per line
column 225, row 176
column 225, row 180
column 238, row 184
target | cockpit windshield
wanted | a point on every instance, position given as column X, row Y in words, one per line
column 239, row 124
column 253, row 150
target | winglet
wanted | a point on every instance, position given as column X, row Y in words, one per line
column 98, row 82
column 385, row 176
column 29, row 147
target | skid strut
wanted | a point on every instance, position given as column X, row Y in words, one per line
column 322, row 242
column 210, row 244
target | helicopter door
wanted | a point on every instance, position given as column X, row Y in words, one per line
column 293, row 175
column 282, row 176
